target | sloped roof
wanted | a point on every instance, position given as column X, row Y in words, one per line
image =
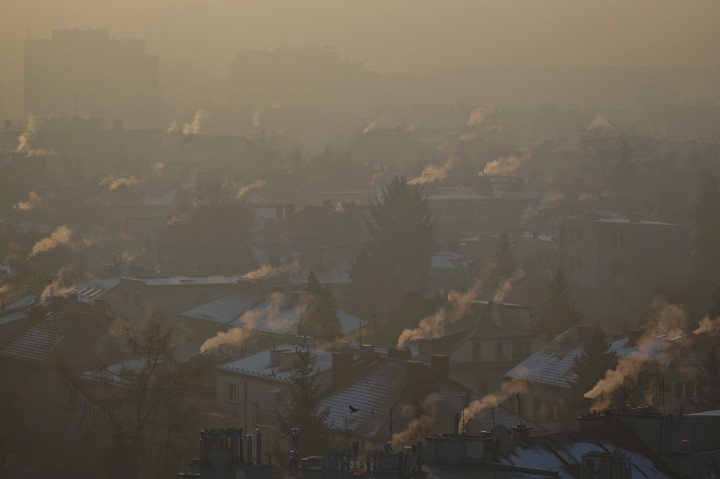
column 38, row 342
column 225, row 310
column 258, row 364
column 374, row 392
column 95, row 288
column 552, row 364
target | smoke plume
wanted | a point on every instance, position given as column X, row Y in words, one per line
column 420, row 426
column 255, row 185
column 666, row 319
column 61, row 235
column 507, row 389
column 193, row 128
column 506, row 286
column 478, row 115
column 256, row 118
column 267, row 270
column 114, row 182
column 65, row 236
column 434, row 326
column 34, row 202
column 67, row 278
column 372, row 125
column 708, row 325
column 505, row 166
column 23, row 146
column 432, row 173
column 235, row 337
column 600, row 122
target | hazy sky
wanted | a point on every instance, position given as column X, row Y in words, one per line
column 197, row 39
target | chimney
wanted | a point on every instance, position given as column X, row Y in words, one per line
column 287, row 359
column 402, row 354
column 275, row 355
column 439, row 367
column 496, row 313
column 520, row 433
column 258, row 439
column 342, row 365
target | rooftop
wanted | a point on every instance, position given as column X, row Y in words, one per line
column 258, row 364
column 553, row 363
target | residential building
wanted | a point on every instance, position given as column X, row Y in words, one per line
column 86, row 72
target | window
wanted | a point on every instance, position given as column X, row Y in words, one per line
column 231, row 392
column 618, row 268
column 618, row 240
column 499, row 351
column 477, row 352
column 618, row 294
column 520, row 349
column 685, row 390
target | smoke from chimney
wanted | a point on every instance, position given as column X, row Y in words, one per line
column 507, row 389
column 34, row 202
column 434, row 326
column 266, row 270
column 255, row 185
column 666, row 319
column 67, row 278
column 506, row 286
column 432, row 173
column 505, row 166
column 421, row 424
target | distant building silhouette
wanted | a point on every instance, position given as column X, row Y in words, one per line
column 85, row 72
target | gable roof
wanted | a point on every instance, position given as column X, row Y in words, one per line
column 552, row 364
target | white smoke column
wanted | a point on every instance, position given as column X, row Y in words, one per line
column 174, row 126
column 23, row 146
column 421, row 425
column 339, row 208
column 506, row 286
column 434, row 326
column 505, row 166
column 35, row 201
column 67, row 278
column 255, row 185
column 256, row 118
column 478, row 115
column 433, row 173
column 267, row 270
column 114, row 182
column 193, row 128
column 707, row 325
column 61, row 235
column 507, row 389
column 667, row 319
column 372, row 125
column 239, row 334
column 600, row 122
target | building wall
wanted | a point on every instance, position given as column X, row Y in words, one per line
column 78, row 72
column 612, row 265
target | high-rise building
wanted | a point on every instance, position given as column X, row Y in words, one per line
column 86, row 72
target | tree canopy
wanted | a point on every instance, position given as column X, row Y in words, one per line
column 396, row 258
column 320, row 316
column 558, row 312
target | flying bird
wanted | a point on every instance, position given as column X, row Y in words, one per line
column 352, row 409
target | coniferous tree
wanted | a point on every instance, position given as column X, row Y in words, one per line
column 592, row 363
column 706, row 216
column 320, row 317
column 298, row 407
column 558, row 312
column 505, row 264
column 709, row 379
column 397, row 255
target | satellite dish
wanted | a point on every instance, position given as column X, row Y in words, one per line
column 501, row 438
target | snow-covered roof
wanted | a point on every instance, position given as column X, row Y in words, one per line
column 258, row 364
column 95, row 288
column 553, row 363
column 225, row 310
